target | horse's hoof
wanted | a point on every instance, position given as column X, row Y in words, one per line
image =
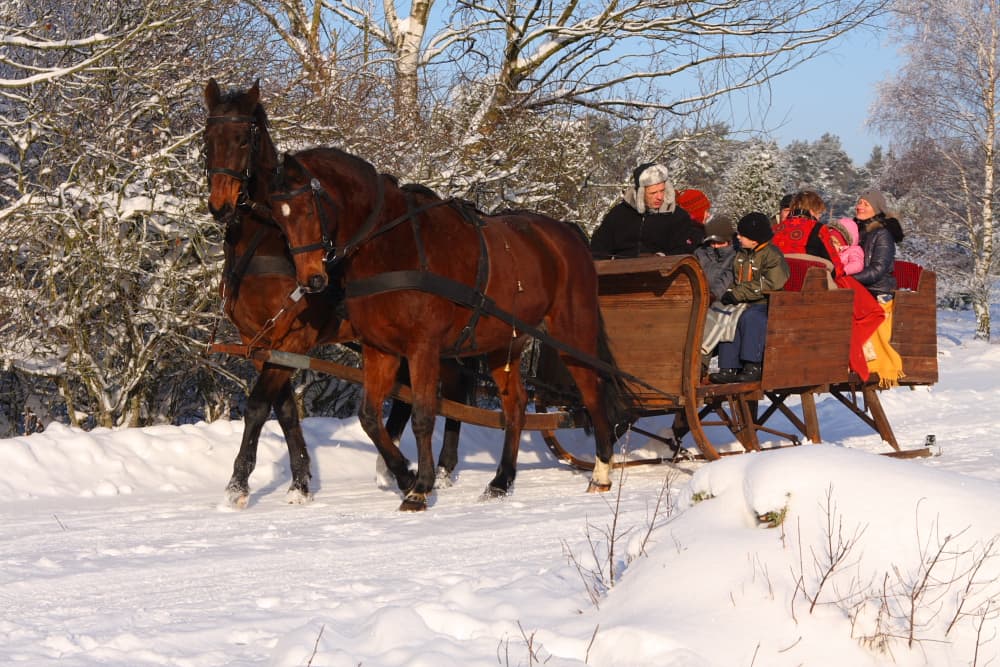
column 298, row 497
column 443, row 479
column 493, row 493
column 237, row 499
column 597, row 487
column 414, row 502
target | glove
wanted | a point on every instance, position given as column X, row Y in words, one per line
column 728, row 299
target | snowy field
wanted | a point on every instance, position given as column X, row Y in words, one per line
column 115, row 550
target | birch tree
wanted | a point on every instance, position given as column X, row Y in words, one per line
column 942, row 110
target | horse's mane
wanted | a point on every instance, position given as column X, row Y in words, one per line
column 465, row 206
column 528, row 213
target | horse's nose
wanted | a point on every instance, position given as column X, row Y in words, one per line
column 316, row 282
column 222, row 213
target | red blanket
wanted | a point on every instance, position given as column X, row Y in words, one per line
column 868, row 315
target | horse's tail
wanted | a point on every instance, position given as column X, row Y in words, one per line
column 616, row 396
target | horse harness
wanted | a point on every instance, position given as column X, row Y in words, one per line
column 391, row 281
column 249, row 263
column 244, row 200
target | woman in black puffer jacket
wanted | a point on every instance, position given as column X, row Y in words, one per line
column 879, row 232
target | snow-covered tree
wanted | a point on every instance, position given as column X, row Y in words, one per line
column 752, row 182
column 109, row 261
column 942, row 110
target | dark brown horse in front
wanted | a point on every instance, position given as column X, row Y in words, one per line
column 259, row 291
column 425, row 279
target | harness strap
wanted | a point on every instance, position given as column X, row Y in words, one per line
column 415, row 224
column 468, row 332
column 238, row 265
column 270, row 265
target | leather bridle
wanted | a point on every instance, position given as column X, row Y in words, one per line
column 245, row 174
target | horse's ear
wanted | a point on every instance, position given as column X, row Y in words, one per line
column 254, row 92
column 212, row 93
column 290, row 161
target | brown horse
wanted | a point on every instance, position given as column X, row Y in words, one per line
column 259, row 290
column 426, row 279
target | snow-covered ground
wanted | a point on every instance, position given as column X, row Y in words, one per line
column 115, row 549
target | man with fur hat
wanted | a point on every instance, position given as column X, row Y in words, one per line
column 878, row 233
column 759, row 268
column 647, row 220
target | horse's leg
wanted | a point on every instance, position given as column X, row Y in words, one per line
column 287, row 412
column 513, row 399
column 399, row 415
column 579, row 326
column 456, row 385
column 592, row 390
column 379, row 376
column 425, row 369
column 262, row 395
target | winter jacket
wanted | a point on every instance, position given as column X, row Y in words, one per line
column 624, row 232
column 803, row 234
column 757, row 271
column 717, row 263
column 879, row 236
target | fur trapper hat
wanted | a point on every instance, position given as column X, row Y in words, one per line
column 696, row 203
column 756, row 227
column 847, row 228
column 651, row 173
column 719, row 229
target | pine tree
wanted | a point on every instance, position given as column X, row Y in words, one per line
column 752, row 182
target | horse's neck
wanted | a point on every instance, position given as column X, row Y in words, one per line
column 265, row 169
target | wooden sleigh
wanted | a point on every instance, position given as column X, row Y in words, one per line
column 655, row 308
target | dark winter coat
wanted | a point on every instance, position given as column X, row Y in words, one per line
column 717, row 263
column 624, row 232
column 878, row 238
column 758, row 271
column 803, row 234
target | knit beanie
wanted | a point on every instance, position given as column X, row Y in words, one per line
column 651, row 173
column 718, row 229
column 695, row 203
column 877, row 200
column 755, row 226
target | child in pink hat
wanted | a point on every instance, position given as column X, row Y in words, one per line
column 844, row 236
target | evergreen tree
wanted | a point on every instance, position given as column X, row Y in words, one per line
column 752, row 182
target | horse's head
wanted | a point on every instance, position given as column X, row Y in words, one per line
column 307, row 215
column 237, row 149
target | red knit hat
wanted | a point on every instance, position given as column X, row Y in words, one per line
column 695, row 203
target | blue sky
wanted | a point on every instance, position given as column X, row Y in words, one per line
column 831, row 93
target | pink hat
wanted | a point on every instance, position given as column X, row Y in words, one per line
column 846, row 228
